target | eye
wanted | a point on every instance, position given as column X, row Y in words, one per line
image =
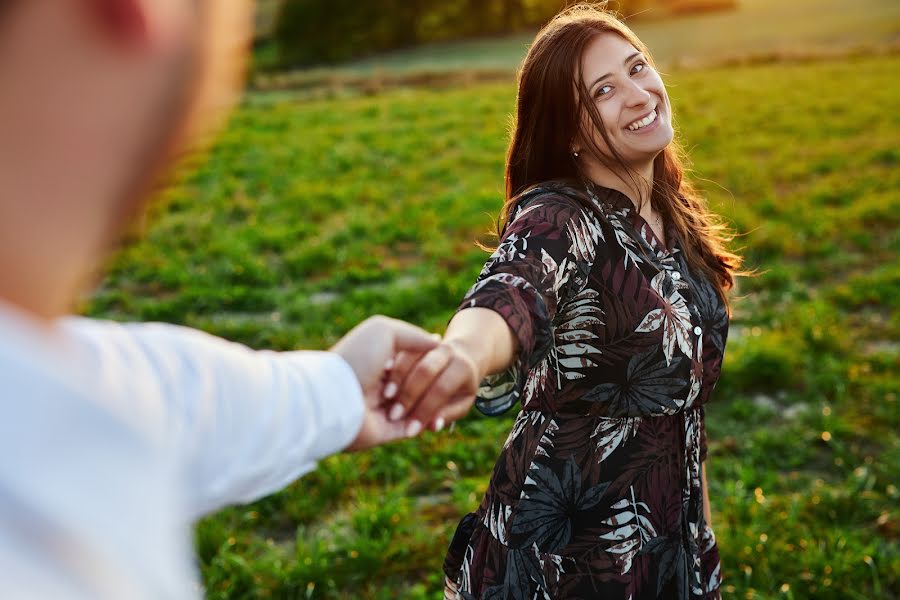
column 603, row 90
column 637, row 68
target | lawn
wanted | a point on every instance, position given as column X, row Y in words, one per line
column 308, row 216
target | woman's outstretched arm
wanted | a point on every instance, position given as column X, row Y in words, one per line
column 484, row 335
column 504, row 322
column 441, row 386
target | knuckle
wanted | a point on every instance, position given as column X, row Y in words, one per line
column 423, row 372
column 442, row 389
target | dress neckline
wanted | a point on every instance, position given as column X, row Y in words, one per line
column 608, row 196
column 620, row 203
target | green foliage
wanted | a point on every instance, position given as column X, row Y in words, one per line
column 308, row 216
column 328, row 31
column 755, row 31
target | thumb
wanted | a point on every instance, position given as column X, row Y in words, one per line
column 412, row 339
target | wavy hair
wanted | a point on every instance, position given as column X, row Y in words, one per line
column 548, row 119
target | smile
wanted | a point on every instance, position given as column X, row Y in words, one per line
column 641, row 123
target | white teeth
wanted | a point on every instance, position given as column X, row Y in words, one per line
column 643, row 122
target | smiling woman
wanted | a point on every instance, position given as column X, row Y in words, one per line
column 603, row 313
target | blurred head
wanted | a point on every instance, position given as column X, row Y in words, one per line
column 588, row 86
column 113, row 86
column 97, row 97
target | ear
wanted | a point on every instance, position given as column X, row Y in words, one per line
column 123, row 21
column 576, row 146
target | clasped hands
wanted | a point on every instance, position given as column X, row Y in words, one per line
column 411, row 379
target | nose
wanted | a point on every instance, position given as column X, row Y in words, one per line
column 637, row 96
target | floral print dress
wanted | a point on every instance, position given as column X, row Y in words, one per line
column 597, row 492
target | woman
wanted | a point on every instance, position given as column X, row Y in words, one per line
column 603, row 312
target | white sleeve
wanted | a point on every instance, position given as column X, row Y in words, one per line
column 243, row 423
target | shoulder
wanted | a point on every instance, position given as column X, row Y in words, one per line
column 550, row 205
column 555, row 194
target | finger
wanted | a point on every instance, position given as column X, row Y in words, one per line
column 419, row 379
column 380, row 430
column 387, row 430
column 403, row 363
column 451, row 382
column 408, row 337
column 456, row 409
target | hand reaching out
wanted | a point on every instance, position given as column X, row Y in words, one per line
column 369, row 349
column 432, row 389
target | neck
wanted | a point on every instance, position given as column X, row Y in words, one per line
column 44, row 265
column 636, row 185
column 54, row 220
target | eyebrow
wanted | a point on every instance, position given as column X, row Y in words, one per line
column 627, row 60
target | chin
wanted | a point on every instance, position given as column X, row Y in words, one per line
column 650, row 150
column 638, row 157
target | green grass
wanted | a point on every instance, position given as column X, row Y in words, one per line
column 756, row 28
column 310, row 215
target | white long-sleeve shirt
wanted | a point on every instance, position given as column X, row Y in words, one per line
column 114, row 438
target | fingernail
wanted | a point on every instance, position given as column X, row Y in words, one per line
column 389, row 364
column 413, row 428
column 436, row 336
column 396, row 412
column 439, row 423
column 390, row 390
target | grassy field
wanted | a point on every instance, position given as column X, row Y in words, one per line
column 310, row 215
column 757, row 28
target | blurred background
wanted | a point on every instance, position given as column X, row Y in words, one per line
column 366, row 160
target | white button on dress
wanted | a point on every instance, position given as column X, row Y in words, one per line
column 676, row 275
column 697, row 330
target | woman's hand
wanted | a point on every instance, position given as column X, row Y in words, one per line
column 369, row 349
column 434, row 388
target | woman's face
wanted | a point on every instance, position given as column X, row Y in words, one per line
column 630, row 98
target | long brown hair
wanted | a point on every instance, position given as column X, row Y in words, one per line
column 548, row 120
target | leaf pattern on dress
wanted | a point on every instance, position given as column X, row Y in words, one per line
column 572, row 336
column 545, row 444
column 627, row 243
column 496, row 519
column 649, row 388
column 625, row 298
column 631, row 530
column 585, row 234
column 550, row 501
column 693, row 387
column 674, row 319
column 524, row 578
column 692, row 426
column 712, row 312
column 571, row 350
column 611, row 433
column 525, row 421
column 671, row 560
column 553, row 566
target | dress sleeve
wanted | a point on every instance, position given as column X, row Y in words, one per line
column 543, row 255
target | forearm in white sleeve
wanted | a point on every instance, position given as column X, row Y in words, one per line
column 245, row 423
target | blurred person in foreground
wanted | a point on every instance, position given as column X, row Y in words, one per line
column 115, row 437
column 604, row 314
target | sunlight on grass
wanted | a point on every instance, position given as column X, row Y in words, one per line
column 309, row 216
